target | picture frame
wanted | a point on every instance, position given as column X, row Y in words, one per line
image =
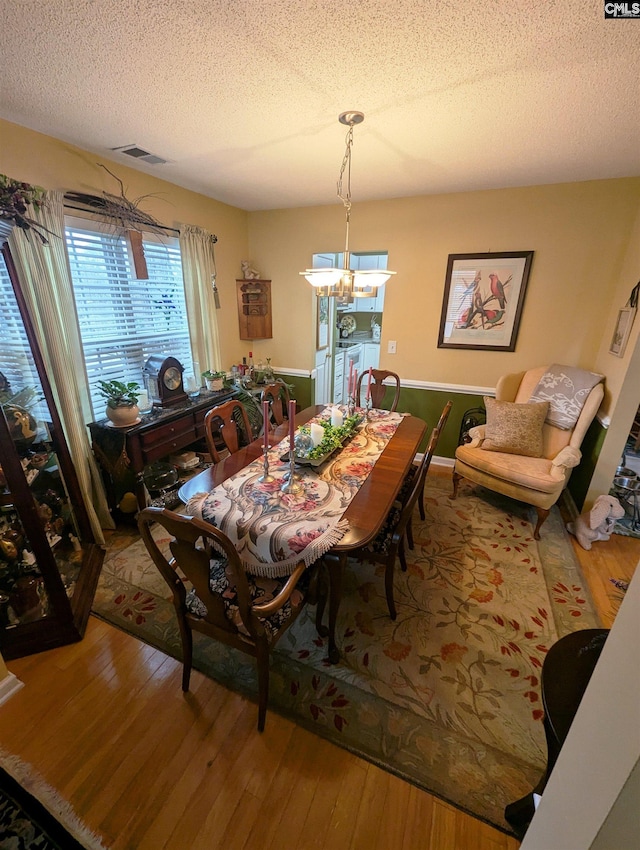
column 483, row 300
column 622, row 330
column 322, row 323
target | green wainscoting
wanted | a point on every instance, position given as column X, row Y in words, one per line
column 428, row 404
column 303, row 389
column 582, row 474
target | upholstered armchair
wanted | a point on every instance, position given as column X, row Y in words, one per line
column 526, row 453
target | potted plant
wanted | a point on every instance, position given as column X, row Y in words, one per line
column 122, row 402
column 214, row 380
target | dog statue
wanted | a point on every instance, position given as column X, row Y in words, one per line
column 596, row 524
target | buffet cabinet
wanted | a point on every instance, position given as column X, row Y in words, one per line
column 49, row 559
column 125, row 453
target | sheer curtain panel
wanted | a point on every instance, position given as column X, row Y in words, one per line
column 198, row 269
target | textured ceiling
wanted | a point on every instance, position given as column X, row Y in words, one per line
column 242, row 96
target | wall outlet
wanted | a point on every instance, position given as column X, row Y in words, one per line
column 391, row 346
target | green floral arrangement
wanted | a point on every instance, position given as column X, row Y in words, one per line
column 333, row 437
column 15, row 199
column 119, row 394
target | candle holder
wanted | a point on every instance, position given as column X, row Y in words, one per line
column 292, row 484
column 368, row 408
column 266, row 477
column 351, row 405
column 292, row 466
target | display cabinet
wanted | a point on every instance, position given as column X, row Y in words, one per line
column 49, row 559
column 254, row 309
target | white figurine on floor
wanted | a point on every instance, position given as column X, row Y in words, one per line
column 598, row 523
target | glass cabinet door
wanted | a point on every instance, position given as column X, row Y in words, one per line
column 49, row 562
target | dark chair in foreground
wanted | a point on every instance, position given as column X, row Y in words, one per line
column 378, row 388
column 228, row 422
column 224, row 603
column 277, row 394
column 389, row 544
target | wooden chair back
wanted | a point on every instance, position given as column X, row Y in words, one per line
column 439, row 429
column 277, row 394
column 230, row 423
column 193, row 547
column 402, row 528
column 378, row 388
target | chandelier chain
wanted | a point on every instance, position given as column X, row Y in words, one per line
column 345, row 197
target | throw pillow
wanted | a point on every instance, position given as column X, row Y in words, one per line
column 566, row 389
column 514, row 428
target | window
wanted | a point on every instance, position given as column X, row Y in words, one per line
column 359, row 260
column 123, row 321
column 16, row 360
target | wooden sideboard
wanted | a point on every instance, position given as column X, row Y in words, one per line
column 123, row 453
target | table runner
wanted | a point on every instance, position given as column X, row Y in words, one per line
column 274, row 531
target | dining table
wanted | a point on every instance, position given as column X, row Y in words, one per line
column 366, row 510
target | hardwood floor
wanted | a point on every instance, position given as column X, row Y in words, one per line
column 105, row 722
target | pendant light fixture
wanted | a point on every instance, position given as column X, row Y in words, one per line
column 345, row 283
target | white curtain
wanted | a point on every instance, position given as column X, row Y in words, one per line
column 198, row 270
column 45, row 281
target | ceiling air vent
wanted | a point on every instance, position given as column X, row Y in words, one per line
column 138, row 153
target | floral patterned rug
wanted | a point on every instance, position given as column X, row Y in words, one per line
column 448, row 695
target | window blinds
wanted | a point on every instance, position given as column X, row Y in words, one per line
column 123, row 321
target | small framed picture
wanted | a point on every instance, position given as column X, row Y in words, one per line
column 483, row 300
column 622, row 331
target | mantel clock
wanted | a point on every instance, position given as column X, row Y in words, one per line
column 164, row 381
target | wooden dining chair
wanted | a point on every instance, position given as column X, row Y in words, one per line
column 277, row 394
column 408, row 481
column 440, row 426
column 218, row 598
column 378, row 388
column 228, row 422
column 389, row 544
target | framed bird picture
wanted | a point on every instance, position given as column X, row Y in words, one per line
column 483, row 300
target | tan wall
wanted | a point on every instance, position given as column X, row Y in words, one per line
column 47, row 162
column 580, row 233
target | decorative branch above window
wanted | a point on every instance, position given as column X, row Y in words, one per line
column 118, row 209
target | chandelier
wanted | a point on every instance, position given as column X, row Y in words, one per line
column 345, row 283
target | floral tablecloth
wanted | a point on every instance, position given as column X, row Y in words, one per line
column 273, row 531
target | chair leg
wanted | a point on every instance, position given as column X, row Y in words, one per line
column 262, row 658
column 410, row 533
column 187, row 652
column 543, row 513
column 322, row 590
column 402, row 556
column 388, row 586
column 421, row 504
column 456, row 480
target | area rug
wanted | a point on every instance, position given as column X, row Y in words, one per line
column 448, row 695
column 33, row 816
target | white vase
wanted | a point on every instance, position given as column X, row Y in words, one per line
column 215, row 384
column 124, row 416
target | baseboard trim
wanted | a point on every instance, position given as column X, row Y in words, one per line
column 9, row 686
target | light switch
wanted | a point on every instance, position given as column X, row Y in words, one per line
column 391, row 346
